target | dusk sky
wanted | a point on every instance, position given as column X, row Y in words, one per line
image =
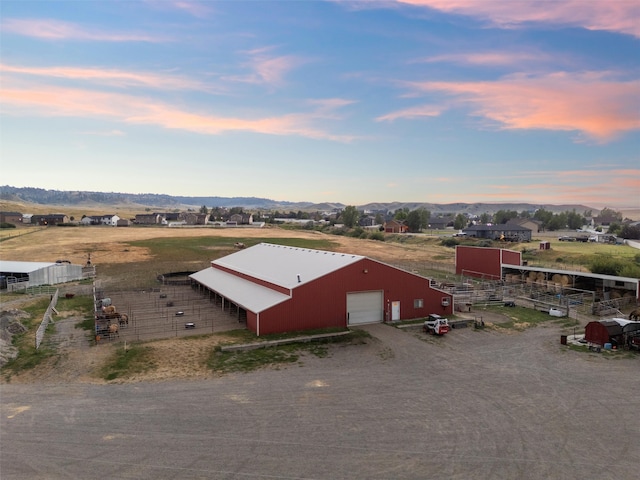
column 436, row 101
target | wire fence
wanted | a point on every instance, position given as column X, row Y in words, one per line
column 47, row 318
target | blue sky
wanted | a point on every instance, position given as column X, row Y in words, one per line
column 328, row 101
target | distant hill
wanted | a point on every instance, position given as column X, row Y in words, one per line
column 160, row 202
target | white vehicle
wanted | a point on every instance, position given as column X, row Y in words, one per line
column 436, row 325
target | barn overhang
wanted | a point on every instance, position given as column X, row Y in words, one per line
column 244, row 293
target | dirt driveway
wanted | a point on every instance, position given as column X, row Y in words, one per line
column 472, row 404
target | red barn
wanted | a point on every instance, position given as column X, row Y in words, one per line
column 284, row 289
column 484, row 261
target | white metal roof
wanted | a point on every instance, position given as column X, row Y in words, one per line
column 285, row 266
column 11, row 266
column 248, row 295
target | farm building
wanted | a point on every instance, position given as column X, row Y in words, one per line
column 503, row 264
column 33, row 274
column 282, row 289
column 616, row 331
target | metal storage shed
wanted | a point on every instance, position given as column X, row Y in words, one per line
column 38, row 273
column 282, row 289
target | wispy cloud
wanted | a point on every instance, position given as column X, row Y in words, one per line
column 602, row 186
column 49, row 29
column 496, row 58
column 412, row 113
column 56, row 101
column 112, row 77
column 193, row 8
column 106, row 133
column 590, row 103
column 265, row 68
column 615, row 16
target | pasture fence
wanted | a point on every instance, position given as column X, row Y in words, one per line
column 47, row 318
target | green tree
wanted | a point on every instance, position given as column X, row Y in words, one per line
column 503, row 216
column 401, row 214
column 607, row 212
column 460, row 222
column 204, row 209
column 350, row 216
column 575, row 220
column 414, row 221
column 425, row 215
column 484, row 218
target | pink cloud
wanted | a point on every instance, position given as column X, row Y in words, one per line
column 589, row 103
column 413, row 112
column 58, row 30
column 265, row 68
column 111, row 77
column 616, row 15
column 489, row 58
column 53, row 101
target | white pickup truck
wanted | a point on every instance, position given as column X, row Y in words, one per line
column 436, row 325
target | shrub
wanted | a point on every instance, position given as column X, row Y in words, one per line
column 449, row 242
column 606, row 266
column 7, row 225
column 377, row 236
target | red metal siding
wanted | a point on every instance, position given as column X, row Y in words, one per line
column 323, row 302
column 511, row 257
column 478, row 261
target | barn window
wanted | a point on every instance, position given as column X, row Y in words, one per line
column 418, row 303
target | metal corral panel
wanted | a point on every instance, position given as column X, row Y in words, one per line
column 365, row 307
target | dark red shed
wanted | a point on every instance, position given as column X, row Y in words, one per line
column 604, row 331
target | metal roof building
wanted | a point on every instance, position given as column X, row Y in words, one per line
column 38, row 273
column 281, row 289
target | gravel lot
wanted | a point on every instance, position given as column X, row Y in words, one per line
column 473, row 404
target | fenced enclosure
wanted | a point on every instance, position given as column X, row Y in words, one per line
column 164, row 312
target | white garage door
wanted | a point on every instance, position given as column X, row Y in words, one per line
column 364, row 307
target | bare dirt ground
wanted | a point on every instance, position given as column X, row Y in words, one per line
column 79, row 360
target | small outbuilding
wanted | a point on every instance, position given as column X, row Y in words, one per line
column 283, row 289
column 604, row 331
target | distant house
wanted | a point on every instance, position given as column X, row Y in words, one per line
column 440, row 223
column 123, row 222
column 10, row 217
column 240, row 219
column 148, row 219
column 111, row 220
column 533, row 225
column 367, row 221
column 393, row 226
column 51, row 219
column 192, row 218
column 504, row 231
